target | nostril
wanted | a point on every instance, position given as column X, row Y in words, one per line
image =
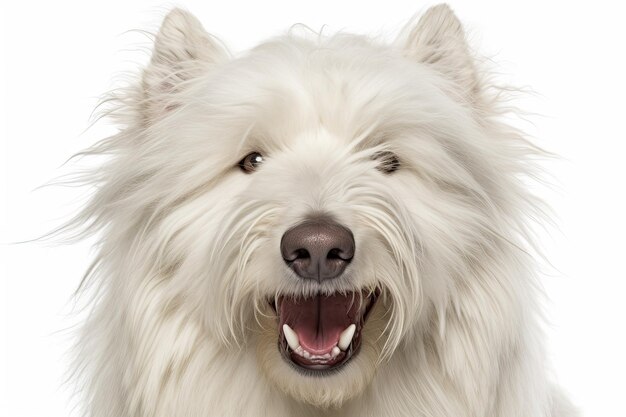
column 297, row 254
column 336, row 253
column 302, row 254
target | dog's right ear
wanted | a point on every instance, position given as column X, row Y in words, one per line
column 182, row 51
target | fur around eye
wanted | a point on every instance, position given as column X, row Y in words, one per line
column 388, row 162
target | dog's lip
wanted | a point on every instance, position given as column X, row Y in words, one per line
column 318, row 366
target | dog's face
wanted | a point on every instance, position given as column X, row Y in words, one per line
column 313, row 201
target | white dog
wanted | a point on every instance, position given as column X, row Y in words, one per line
column 324, row 226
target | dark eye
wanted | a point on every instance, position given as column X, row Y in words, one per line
column 251, row 162
column 388, row 162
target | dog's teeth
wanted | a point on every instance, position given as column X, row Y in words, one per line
column 335, row 351
column 291, row 336
column 346, row 337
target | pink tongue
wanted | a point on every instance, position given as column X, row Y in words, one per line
column 319, row 320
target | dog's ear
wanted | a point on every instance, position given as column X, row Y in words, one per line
column 438, row 39
column 182, row 51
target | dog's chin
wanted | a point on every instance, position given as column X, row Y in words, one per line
column 327, row 380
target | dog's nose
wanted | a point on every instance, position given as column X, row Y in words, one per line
column 318, row 249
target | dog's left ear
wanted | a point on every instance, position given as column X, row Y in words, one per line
column 183, row 50
column 438, row 40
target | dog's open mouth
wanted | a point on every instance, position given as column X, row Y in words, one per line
column 322, row 332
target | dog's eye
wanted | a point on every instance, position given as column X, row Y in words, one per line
column 251, row 162
column 388, row 162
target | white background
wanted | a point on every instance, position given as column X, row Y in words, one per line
column 60, row 56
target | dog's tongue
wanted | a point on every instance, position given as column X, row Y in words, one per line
column 319, row 320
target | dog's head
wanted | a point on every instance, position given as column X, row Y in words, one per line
column 315, row 201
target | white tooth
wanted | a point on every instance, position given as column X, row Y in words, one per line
column 291, row 336
column 346, row 337
column 335, row 351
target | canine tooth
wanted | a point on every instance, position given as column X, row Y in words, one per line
column 335, row 351
column 291, row 336
column 346, row 337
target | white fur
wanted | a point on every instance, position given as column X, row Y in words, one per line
column 189, row 245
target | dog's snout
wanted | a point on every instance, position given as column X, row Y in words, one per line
column 318, row 249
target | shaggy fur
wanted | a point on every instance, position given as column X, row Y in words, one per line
column 188, row 252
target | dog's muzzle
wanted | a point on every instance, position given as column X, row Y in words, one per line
column 320, row 332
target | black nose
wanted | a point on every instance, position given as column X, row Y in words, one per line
column 318, row 249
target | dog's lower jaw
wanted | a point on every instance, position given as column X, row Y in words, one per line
column 414, row 380
column 327, row 390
